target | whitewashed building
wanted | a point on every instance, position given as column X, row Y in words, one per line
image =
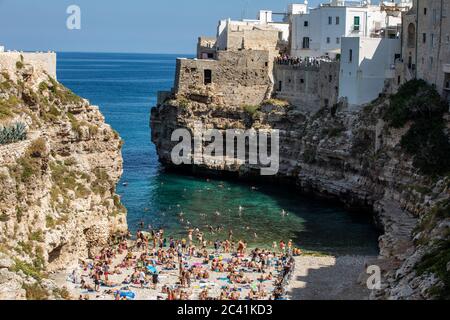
column 365, row 65
column 318, row 32
column 2, row 48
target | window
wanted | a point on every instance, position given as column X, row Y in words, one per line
column 280, row 85
column 302, row 80
column 305, row 24
column 411, row 36
column 337, row 20
column 432, row 41
column 207, row 76
column 350, row 56
column 328, row 40
column 424, row 38
column 330, row 20
column 399, row 80
column 356, row 23
column 425, row 11
column 330, row 78
column 431, row 62
column 305, row 44
column 338, row 40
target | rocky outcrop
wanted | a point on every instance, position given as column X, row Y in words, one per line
column 57, row 184
column 353, row 157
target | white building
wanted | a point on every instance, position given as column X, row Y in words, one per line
column 2, row 48
column 366, row 63
column 318, row 32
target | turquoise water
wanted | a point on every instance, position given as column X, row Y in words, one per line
column 125, row 87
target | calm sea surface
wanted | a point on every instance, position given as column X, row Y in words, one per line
column 125, row 87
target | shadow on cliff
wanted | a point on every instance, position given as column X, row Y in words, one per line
column 330, row 282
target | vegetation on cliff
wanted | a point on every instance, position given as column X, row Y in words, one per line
column 59, row 165
column 419, row 103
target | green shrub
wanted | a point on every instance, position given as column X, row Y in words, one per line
column 251, row 109
column 76, row 125
column 37, row 236
column 102, row 182
column 49, row 222
column 7, row 106
column 309, row 155
column 426, row 141
column 439, row 212
column 363, row 141
column 19, row 65
column 28, row 168
column 429, row 145
column 52, row 115
column 37, row 148
column 14, row 133
column 435, row 262
column 334, row 131
column 415, row 99
column 27, row 269
column 59, row 92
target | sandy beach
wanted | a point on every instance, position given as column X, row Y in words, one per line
column 314, row 277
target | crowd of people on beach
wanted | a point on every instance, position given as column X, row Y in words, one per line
column 250, row 274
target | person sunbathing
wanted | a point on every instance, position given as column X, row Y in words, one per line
column 86, row 286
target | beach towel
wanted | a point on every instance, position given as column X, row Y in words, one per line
column 152, row 269
column 129, row 295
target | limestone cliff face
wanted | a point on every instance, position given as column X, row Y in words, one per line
column 353, row 157
column 57, row 184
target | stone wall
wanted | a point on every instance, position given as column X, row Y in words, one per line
column 253, row 38
column 44, row 62
column 206, row 48
column 236, row 78
column 426, row 44
column 309, row 87
column 249, row 36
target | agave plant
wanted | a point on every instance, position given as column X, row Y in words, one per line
column 13, row 133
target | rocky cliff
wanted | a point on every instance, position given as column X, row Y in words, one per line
column 358, row 158
column 59, row 166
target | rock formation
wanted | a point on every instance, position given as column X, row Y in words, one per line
column 356, row 158
column 57, row 181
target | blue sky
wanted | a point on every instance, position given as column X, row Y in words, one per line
column 170, row 26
